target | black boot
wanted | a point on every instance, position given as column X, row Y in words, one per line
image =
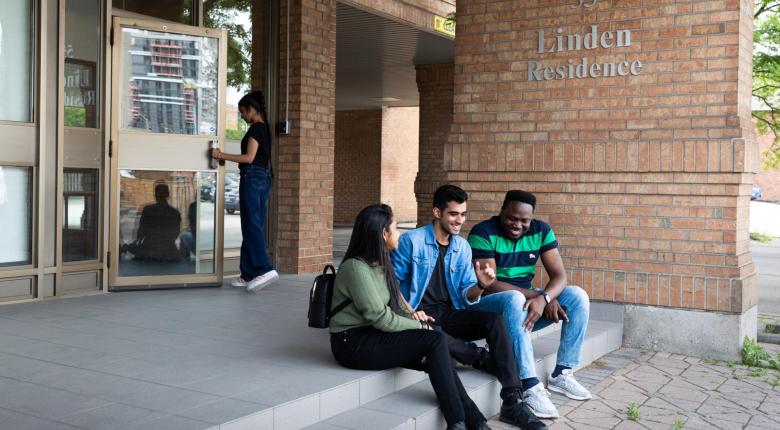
column 460, row 425
column 484, row 362
column 514, row 411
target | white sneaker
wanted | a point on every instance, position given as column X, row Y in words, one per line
column 566, row 384
column 239, row 282
column 538, row 400
column 262, row 281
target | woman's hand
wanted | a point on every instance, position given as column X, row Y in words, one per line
column 216, row 153
column 422, row 316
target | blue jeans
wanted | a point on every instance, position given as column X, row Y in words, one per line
column 574, row 301
column 253, row 191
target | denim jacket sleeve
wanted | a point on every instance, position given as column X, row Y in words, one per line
column 469, row 277
column 402, row 264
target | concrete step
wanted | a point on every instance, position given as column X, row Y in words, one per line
column 415, row 407
column 403, row 399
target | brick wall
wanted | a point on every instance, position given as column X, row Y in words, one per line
column 305, row 166
column 768, row 180
column 646, row 178
column 400, row 139
column 358, row 162
column 435, row 83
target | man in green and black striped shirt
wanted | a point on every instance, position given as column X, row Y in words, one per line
column 512, row 243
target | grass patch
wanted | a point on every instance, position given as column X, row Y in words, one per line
column 756, row 372
column 711, row 361
column 632, row 411
column 760, row 237
column 678, row 424
column 754, row 355
column 599, row 363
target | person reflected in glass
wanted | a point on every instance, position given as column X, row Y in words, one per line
column 158, row 229
column 254, row 164
column 188, row 238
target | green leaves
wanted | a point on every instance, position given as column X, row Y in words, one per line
column 766, row 75
column 223, row 14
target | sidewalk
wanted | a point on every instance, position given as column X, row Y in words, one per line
column 669, row 389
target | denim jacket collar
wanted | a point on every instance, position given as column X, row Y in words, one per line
column 430, row 238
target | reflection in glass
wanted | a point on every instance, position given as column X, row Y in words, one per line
column 16, row 215
column 169, row 82
column 80, row 214
column 232, row 229
column 169, row 10
column 82, row 52
column 16, row 57
column 165, row 226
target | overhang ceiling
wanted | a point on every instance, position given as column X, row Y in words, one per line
column 375, row 58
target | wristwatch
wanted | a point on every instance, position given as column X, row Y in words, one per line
column 546, row 296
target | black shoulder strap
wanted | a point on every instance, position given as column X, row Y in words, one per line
column 340, row 307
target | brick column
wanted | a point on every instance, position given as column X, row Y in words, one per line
column 435, row 83
column 644, row 177
column 305, row 166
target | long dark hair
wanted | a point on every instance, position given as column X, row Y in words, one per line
column 368, row 244
column 255, row 100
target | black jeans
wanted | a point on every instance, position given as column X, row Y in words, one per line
column 472, row 325
column 367, row 348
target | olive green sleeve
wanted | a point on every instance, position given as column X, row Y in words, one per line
column 367, row 297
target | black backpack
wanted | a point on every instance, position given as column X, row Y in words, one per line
column 320, row 299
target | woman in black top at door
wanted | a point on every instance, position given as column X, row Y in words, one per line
column 254, row 163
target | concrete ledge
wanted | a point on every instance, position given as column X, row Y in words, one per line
column 689, row 332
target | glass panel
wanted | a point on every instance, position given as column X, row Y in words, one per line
column 16, row 56
column 232, row 218
column 170, row 10
column 16, row 211
column 82, row 55
column 80, row 215
column 169, row 82
column 165, row 226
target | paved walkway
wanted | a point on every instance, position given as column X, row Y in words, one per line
column 671, row 392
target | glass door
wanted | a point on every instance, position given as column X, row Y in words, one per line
column 168, row 91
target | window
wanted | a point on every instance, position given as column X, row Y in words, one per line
column 82, row 59
column 156, row 96
column 16, row 57
column 80, row 215
column 16, row 211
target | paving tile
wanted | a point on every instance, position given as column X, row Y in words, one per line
column 259, row 420
column 170, row 422
column 19, row 421
column 222, row 411
column 27, row 399
column 110, row 416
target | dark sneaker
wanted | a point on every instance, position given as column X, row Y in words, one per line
column 514, row 411
column 483, row 362
column 482, row 425
column 460, row 425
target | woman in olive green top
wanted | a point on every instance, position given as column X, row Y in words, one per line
column 375, row 331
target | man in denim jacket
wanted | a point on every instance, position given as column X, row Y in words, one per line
column 436, row 276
